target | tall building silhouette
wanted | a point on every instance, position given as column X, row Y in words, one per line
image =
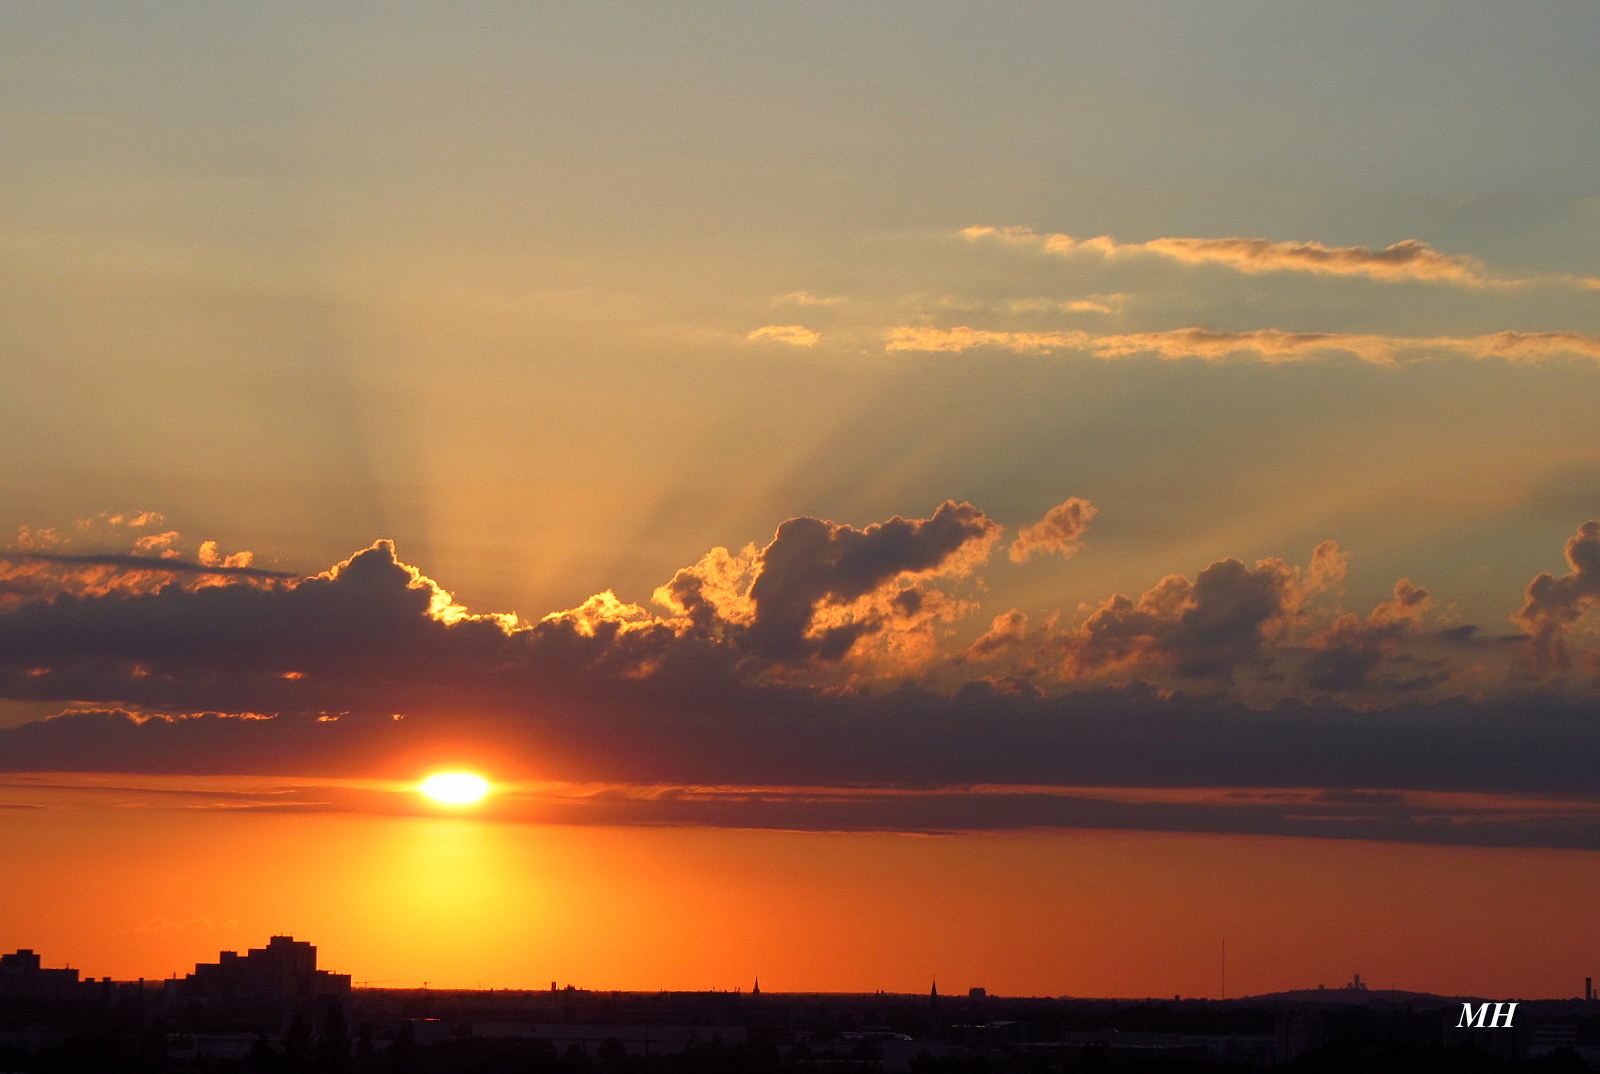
column 280, row 979
column 22, row 974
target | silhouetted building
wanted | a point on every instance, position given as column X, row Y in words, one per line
column 21, row 974
column 276, row 981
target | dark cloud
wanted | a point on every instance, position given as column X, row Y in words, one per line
column 161, row 565
column 1349, row 656
column 682, row 730
column 798, row 664
column 1243, row 628
column 1008, row 632
column 1338, row 815
column 1348, row 797
column 1203, row 629
column 1223, row 625
column 811, row 563
column 1553, row 603
column 33, row 575
column 1468, row 820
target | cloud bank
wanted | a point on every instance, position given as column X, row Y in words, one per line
column 834, row 656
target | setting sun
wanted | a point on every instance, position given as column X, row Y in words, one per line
column 455, row 788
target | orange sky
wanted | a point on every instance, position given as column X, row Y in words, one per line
column 139, row 889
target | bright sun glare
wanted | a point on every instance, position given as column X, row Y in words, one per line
column 455, row 788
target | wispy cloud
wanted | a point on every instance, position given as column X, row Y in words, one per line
column 1088, row 304
column 1415, row 816
column 806, row 298
column 793, row 335
column 1266, row 344
column 210, row 562
column 1407, row 260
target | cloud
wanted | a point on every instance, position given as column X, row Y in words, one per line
column 1552, row 603
column 27, row 576
column 1451, row 819
column 955, row 340
column 822, row 593
column 1200, row 629
column 826, row 657
column 1230, row 619
column 236, row 565
column 374, row 632
column 811, row 565
column 157, row 543
column 41, row 567
column 603, row 610
column 131, row 519
column 985, row 757
column 1265, row 632
column 1351, row 652
column 1008, row 632
column 792, row 335
column 1060, row 531
column 233, row 644
column 210, row 556
column 1448, row 818
column 1092, row 304
column 1267, row 344
column 1407, row 260
column 806, row 298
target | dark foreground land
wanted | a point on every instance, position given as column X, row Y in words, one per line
column 143, row 1030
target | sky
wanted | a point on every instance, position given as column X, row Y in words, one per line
column 1113, row 477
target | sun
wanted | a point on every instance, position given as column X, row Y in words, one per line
column 455, row 788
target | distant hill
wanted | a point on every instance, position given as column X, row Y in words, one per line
column 1359, row 997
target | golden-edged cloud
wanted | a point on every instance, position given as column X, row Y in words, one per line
column 1553, row 603
column 1409, row 259
column 1060, row 531
column 912, row 322
column 792, row 335
column 1266, row 344
column 815, row 660
column 51, row 561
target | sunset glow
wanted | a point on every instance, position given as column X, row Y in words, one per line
column 455, row 788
